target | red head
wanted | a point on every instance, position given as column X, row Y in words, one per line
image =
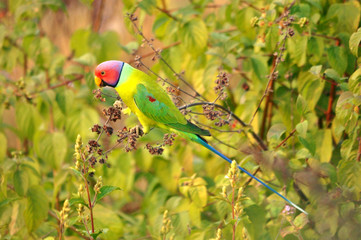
column 108, row 73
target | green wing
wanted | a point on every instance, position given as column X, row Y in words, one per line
column 154, row 103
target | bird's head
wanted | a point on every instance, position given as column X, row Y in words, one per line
column 108, row 73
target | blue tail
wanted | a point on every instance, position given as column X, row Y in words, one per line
column 205, row 144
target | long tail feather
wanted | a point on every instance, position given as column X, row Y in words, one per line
column 205, row 144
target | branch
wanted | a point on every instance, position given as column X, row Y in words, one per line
column 285, row 12
column 330, row 103
column 273, row 75
column 254, row 135
column 97, row 15
column 133, row 19
column 284, row 140
column 268, row 105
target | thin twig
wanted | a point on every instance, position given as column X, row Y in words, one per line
column 330, row 103
column 77, row 78
column 254, row 135
column 284, row 140
column 89, row 200
column 285, row 12
column 272, row 77
column 169, row 83
column 268, row 106
column 161, row 58
column 152, row 53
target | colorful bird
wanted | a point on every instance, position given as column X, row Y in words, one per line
column 154, row 108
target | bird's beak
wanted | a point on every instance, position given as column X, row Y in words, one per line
column 98, row 81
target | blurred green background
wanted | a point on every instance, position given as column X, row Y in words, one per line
column 294, row 80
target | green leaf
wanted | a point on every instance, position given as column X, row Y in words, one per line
column 308, row 143
column 315, row 70
column 77, row 200
column 78, row 173
column 332, row 74
column 195, row 214
column 96, row 234
column 315, row 50
column 109, row 222
column 87, row 59
column 7, row 201
column 65, row 100
column 257, row 225
column 160, row 25
column 199, row 195
column 301, row 128
column 301, row 105
column 21, row 181
column 301, row 220
column 354, row 42
column 347, row 16
column 276, row 131
column 80, row 122
column 3, row 147
column 310, row 87
column 131, row 47
column 2, row 34
column 326, row 147
column 297, row 48
column 287, row 230
column 194, row 36
column 272, row 37
column 79, row 41
column 106, row 190
column 36, row 208
column 26, row 119
column 349, row 173
column 354, row 82
column 51, row 147
column 147, row 5
column 337, row 58
column 259, row 66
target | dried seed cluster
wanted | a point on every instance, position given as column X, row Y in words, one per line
column 113, row 113
column 168, row 139
column 98, row 94
column 222, row 82
column 130, row 136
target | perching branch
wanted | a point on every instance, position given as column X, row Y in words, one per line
column 254, row 135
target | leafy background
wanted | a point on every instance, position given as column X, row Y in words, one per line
column 294, row 80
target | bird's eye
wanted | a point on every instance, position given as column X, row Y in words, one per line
column 102, row 73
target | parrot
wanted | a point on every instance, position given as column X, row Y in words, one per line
column 153, row 107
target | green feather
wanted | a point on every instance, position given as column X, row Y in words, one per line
column 154, row 103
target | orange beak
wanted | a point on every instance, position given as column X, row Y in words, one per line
column 98, row 81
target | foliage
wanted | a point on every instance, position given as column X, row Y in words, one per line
column 278, row 84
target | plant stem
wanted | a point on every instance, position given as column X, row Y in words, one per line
column 284, row 140
column 71, row 227
column 89, row 200
column 233, row 215
column 267, row 113
column 330, row 103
